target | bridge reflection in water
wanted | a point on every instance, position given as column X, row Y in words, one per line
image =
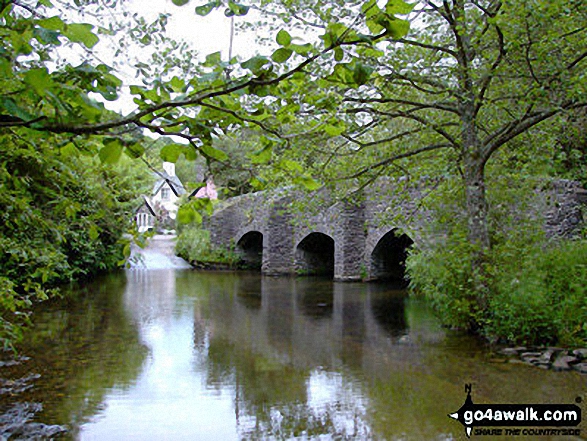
column 169, row 354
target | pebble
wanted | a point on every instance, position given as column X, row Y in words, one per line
column 555, row 358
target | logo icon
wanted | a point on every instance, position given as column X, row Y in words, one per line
column 472, row 415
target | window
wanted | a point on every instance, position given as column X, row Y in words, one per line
column 165, row 193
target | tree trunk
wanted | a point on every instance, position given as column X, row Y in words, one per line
column 478, row 235
column 476, row 210
column 476, row 204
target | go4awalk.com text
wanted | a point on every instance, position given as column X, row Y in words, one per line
column 518, row 419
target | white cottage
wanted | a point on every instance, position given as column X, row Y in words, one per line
column 161, row 207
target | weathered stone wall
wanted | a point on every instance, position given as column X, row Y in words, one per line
column 563, row 205
column 286, row 218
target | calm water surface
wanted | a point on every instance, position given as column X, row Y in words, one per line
column 183, row 355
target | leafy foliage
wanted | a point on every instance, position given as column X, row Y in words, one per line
column 193, row 244
column 536, row 285
column 63, row 217
column 541, row 295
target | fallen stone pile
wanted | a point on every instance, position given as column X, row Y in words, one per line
column 557, row 359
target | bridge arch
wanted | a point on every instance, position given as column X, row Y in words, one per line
column 314, row 255
column 250, row 247
column 387, row 260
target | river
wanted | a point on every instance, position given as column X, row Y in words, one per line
column 174, row 354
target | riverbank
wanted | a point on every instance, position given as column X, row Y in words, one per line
column 555, row 358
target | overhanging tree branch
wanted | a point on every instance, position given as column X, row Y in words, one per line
column 394, row 158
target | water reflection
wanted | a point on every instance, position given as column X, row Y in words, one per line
column 184, row 355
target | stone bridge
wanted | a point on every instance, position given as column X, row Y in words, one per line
column 288, row 232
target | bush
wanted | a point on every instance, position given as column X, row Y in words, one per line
column 62, row 219
column 542, row 298
column 536, row 288
column 193, row 244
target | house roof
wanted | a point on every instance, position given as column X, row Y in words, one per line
column 173, row 182
column 146, row 204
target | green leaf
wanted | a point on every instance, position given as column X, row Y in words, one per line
column 236, row 9
column 180, row 2
column 46, row 36
column 213, row 153
column 281, row 55
column 255, row 64
column 10, row 106
column 361, row 73
column 370, row 9
column 338, row 54
column 397, row 28
column 398, row 7
column 207, row 8
column 81, row 33
column 213, row 59
column 93, row 232
column 187, row 215
column 292, row 166
column 177, row 84
column 283, row 38
column 190, row 153
column 110, row 153
column 39, row 79
column 135, row 150
column 308, row 183
column 171, row 152
column 301, row 49
column 332, row 130
column 257, row 183
column 52, row 23
column 69, row 150
column 262, row 156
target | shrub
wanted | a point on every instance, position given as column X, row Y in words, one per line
column 193, row 244
column 542, row 298
column 537, row 288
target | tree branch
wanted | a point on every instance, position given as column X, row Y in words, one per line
column 427, row 46
column 418, row 106
column 517, row 127
column 394, row 158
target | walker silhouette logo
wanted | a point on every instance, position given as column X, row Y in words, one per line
column 476, row 417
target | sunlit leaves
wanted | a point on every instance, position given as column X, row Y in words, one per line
column 283, row 38
column 262, row 156
column 393, row 7
column 236, row 9
column 171, row 152
column 52, row 23
column 180, row 2
column 281, row 55
column 214, row 153
column 191, row 212
column 302, row 49
column 81, row 33
column 39, row 79
column 308, row 182
column 204, row 10
column 256, row 64
column 110, row 153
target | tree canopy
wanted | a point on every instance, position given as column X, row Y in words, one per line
column 345, row 91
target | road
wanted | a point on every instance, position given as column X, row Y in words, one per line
column 159, row 254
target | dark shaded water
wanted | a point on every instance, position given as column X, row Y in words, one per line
column 182, row 355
